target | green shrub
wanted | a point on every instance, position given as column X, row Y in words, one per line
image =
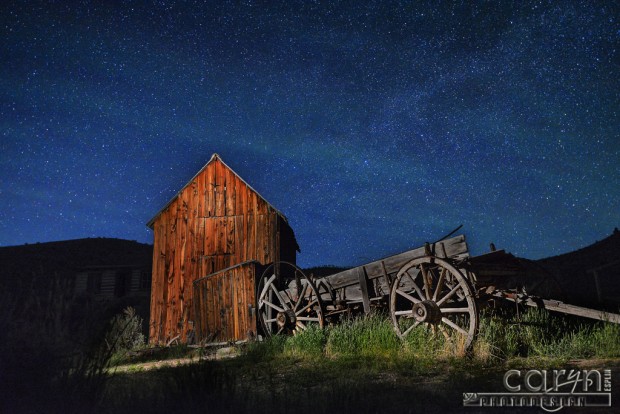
column 125, row 332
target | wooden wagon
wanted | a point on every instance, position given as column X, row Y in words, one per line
column 439, row 285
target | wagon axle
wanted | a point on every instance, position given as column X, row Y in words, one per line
column 286, row 319
column 427, row 311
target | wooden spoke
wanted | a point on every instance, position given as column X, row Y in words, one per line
column 408, row 296
column 266, row 302
column 280, row 299
column 416, row 287
column 425, row 279
column 454, row 310
column 439, row 284
column 404, row 312
column 306, row 307
column 449, row 295
column 453, row 325
column 301, row 296
column 445, row 334
column 266, row 286
column 307, row 319
column 411, row 328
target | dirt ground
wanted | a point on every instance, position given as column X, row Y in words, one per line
column 302, row 387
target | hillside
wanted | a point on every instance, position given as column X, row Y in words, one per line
column 65, row 257
column 574, row 271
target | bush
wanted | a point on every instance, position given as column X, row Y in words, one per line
column 125, row 332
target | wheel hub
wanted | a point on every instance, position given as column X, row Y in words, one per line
column 286, row 319
column 427, row 311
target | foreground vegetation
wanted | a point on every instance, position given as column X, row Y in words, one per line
column 361, row 366
column 358, row 366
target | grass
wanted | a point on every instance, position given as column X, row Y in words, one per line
column 539, row 334
column 361, row 366
column 534, row 333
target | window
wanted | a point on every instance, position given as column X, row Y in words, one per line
column 122, row 284
column 145, row 280
column 94, row 283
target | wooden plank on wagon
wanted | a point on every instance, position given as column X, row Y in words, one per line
column 456, row 247
column 363, row 282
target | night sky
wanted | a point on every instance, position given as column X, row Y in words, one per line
column 373, row 126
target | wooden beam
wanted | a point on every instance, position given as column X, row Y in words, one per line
column 557, row 306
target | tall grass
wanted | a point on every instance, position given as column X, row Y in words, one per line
column 502, row 336
column 537, row 333
column 369, row 336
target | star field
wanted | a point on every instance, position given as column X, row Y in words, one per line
column 373, row 126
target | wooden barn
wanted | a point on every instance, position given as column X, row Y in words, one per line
column 210, row 244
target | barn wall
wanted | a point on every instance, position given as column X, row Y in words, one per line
column 215, row 222
column 224, row 304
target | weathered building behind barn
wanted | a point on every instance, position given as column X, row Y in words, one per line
column 112, row 282
column 216, row 221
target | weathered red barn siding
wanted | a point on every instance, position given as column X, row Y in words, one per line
column 216, row 221
column 224, row 304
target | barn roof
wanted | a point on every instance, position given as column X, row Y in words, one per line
column 214, row 157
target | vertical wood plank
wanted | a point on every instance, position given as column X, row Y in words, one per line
column 230, row 235
column 363, row 282
column 238, row 237
column 230, row 193
column 219, row 189
column 209, row 190
column 250, row 241
column 239, row 189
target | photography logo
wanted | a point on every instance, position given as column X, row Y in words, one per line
column 549, row 390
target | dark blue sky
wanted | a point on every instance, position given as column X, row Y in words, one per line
column 373, row 126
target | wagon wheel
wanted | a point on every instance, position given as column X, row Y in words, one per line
column 430, row 291
column 288, row 301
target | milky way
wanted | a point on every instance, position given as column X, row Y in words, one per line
column 373, row 126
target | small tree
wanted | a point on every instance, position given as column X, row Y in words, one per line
column 125, row 332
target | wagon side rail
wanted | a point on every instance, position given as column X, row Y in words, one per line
column 561, row 307
column 373, row 280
